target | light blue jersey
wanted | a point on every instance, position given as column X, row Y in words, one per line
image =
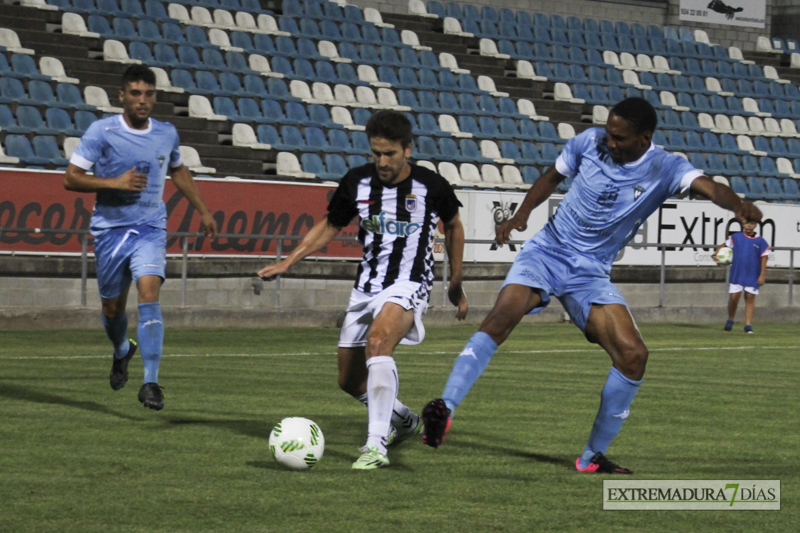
column 607, row 202
column 113, row 148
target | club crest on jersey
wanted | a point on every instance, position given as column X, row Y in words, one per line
column 411, row 202
column 637, row 191
column 379, row 224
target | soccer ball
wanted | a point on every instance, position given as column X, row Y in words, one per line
column 725, row 255
column 296, row 443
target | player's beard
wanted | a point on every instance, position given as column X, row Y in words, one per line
column 387, row 175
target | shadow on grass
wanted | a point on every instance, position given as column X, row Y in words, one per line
column 258, row 428
column 15, row 392
column 514, row 452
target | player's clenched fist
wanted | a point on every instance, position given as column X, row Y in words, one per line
column 503, row 231
column 132, row 181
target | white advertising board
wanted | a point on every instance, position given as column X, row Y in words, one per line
column 751, row 13
column 699, row 226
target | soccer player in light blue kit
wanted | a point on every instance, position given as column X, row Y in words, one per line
column 620, row 179
column 132, row 154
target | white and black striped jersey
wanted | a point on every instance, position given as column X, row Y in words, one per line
column 397, row 223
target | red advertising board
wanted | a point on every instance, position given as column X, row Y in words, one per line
column 39, row 200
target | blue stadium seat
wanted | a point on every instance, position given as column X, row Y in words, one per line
column 716, row 164
column 24, row 66
column 316, row 141
column 355, row 161
column 267, row 134
column 272, row 112
column 699, row 162
column 29, row 118
column 313, row 163
column 207, row 83
column 756, row 187
column 124, row 28
column 774, row 189
column 141, row 52
column 739, row 186
column 183, row 79
column 791, row 190
column 335, row 166
column 549, row 153
column 426, row 148
column 729, row 145
column 69, row 96
column 359, row 139
column 779, row 148
column 531, row 153
column 99, row 24
column 45, row 146
column 8, row 122
column 530, row 174
column 196, row 36
column 156, row 10
column 225, row 106
column 19, row 146
column 750, row 166
column 84, row 119
column 60, row 121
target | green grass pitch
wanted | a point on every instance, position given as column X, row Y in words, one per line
column 79, row 457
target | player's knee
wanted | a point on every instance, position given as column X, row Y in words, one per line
column 112, row 310
column 634, row 361
column 499, row 325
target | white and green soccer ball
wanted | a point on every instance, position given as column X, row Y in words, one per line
column 725, row 255
column 297, row 443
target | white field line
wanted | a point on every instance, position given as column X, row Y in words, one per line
column 333, row 352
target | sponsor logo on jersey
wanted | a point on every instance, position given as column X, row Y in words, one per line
column 379, row 224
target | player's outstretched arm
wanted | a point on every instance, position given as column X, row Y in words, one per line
column 320, row 235
column 77, row 179
column 541, row 191
column 454, row 245
column 723, row 196
column 184, row 182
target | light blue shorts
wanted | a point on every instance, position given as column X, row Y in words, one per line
column 128, row 253
column 577, row 281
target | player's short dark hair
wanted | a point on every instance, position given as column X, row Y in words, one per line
column 136, row 73
column 639, row 113
column 390, row 125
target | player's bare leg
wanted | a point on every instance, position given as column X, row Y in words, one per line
column 749, row 311
column 613, row 328
column 733, row 305
column 389, row 327
column 513, row 303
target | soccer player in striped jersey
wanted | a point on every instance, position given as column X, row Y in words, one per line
column 621, row 178
column 399, row 206
column 132, row 154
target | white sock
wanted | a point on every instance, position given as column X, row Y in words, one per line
column 402, row 417
column 382, row 385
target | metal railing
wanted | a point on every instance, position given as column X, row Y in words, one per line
column 84, row 236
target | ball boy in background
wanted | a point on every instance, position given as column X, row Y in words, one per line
column 748, row 271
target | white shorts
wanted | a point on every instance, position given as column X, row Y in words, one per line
column 734, row 288
column 363, row 308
